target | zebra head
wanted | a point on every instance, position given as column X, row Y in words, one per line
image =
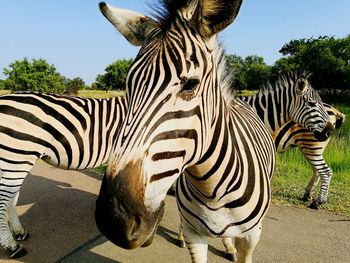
column 308, row 109
column 170, row 84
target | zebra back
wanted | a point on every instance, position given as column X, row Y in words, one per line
column 68, row 132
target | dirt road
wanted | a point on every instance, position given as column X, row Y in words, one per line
column 57, row 208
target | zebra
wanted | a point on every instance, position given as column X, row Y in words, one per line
column 295, row 135
column 182, row 120
column 66, row 132
column 272, row 102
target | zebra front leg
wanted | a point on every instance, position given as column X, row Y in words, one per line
column 230, row 250
column 196, row 244
column 326, row 176
column 18, row 231
column 311, row 186
column 245, row 245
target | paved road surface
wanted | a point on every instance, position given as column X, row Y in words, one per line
column 57, row 208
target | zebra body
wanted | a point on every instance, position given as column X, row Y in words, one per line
column 180, row 122
column 66, row 132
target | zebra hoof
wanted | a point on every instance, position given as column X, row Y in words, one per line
column 17, row 252
column 23, row 236
column 314, row 206
column 231, row 257
column 181, row 243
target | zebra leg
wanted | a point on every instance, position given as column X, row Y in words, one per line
column 311, row 186
column 246, row 245
column 9, row 186
column 325, row 174
column 196, row 244
column 230, row 250
column 15, row 225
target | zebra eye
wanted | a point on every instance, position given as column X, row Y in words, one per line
column 190, row 85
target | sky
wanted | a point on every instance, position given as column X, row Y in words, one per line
column 74, row 36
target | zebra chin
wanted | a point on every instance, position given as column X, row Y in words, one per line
column 325, row 133
column 121, row 215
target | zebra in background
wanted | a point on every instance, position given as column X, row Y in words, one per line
column 295, row 135
column 181, row 120
column 291, row 126
column 66, row 132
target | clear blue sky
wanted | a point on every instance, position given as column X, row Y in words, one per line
column 79, row 41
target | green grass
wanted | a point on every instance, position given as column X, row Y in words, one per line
column 293, row 172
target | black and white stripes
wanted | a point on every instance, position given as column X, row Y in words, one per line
column 180, row 124
column 67, row 132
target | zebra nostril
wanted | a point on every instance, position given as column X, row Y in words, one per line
column 135, row 226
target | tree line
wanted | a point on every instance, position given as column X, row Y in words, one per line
column 326, row 57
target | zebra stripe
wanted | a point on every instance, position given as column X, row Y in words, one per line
column 66, row 132
column 179, row 121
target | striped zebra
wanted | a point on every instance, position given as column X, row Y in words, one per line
column 291, row 126
column 66, row 132
column 295, row 135
column 181, row 120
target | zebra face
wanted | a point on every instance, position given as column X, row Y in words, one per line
column 167, row 126
column 310, row 111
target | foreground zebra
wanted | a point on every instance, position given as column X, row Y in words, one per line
column 179, row 121
column 66, row 132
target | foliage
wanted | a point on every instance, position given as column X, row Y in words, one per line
column 248, row 73
column 326, row 57
column 2, row 84
column 72, row 86
column 35, row 75
column 115, row 76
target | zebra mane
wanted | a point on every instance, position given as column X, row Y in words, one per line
column 225, row 73
column 165, row 11
column 284, row 80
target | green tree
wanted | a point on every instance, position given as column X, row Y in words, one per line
column 115, row 76
column 72, row 86
column 35, row 75
column 326, row 57
column 2, row 86
column 248, row 73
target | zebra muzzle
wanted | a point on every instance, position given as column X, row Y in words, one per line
column 326, row 133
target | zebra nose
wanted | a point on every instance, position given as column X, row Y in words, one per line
column 135, row 225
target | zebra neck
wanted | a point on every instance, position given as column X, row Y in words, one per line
column 271, row 107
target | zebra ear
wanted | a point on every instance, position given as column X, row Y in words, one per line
column 301, row 85
column 133, row 26
column 212, row 16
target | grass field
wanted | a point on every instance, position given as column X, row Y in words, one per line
column 293, row 172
